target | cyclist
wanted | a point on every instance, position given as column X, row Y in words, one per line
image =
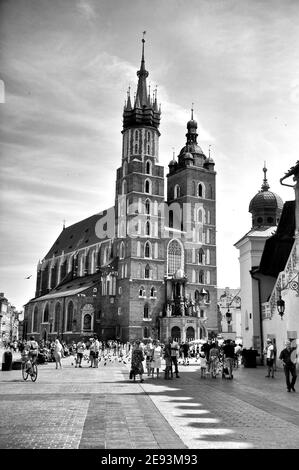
column 32, row 347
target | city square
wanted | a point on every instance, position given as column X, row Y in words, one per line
column 149, row 289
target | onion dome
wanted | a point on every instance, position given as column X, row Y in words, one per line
column 265, row 206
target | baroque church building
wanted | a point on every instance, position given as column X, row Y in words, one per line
column 145, row 267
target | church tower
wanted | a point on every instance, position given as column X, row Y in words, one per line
column 191, row 189
column 139, row 222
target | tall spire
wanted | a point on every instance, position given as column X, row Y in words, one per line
column 142, row 74
column 265, row 185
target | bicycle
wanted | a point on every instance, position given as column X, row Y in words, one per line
column 29, row 368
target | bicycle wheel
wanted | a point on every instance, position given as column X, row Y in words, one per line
column 24, row 371
column 33, row 372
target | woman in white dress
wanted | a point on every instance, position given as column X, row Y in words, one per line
column 57, row 353
column 156, row 357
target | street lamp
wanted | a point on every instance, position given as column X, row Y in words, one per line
column 280, row 306
column 228, row 316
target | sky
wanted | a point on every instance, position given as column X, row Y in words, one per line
column 65, row 69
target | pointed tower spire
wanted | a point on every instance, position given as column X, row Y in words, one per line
column 265, row 185
column 129, row 105
column 142, row 74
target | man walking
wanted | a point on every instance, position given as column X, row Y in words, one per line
column 288, row 358
column 174, row 348
column 229, row 356
column 269, row 351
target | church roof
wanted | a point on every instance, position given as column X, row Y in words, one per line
column 77, row 236
column 278, row 247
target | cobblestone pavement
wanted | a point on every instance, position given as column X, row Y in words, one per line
column 102, row 409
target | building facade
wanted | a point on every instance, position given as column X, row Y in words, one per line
column 9, row 321
column 229, row 309
column 147, row 266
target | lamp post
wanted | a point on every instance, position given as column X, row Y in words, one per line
column 280, row 306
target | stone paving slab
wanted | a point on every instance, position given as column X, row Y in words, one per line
column 102, row 409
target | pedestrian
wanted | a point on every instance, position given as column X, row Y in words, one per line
column 238, row 354
column 92, row 352
column 137, row 362
column 229, row 357
column 289, row 358
column 174, row 349
column 58, row 353
column 148, row 352
column 156, row 357
column 185, row 351
column 213, row 359
column 203, row 365
column 80, row 352
column 96, row 350
column 269, row 352
column 168, row 362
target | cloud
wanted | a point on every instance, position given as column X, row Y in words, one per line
column 86, row 9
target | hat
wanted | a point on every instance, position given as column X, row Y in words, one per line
column 269, row 340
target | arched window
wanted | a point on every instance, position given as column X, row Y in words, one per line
column 46, row 314
column 124, row 187
column 199, row 190
column 199, row 215
column 177, row 191
column 171, row 219
column 153, row 292
column 142, row 292
column 175, row 259
column 147, row 187
column 176, row 333
column 190, row 333
column 201, row 277
column 57, row 317
column 196, row 296
column 87, row 322
column 148, row 228
column 70, row 316
column 122, row 250
column 145, row 332
column 147, row 250
column 201, row 254
column 147, row 272
column 148, row 167
column 148, row 206
column 35, row 320
column 145, row 311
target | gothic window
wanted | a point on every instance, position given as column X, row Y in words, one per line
column 153, row 292
column 122, row 250
column 70, row 316
column 147, row 207
column 201, row 277
column 136, row 135
column 148, row 228
column 148, row 167
column 35, row 319
column 177, row 191
column 147, row 272
column 171, row 219
column 147, row 187
column 145, row 311
column 176, row 333
column 174, row 257
column 147, row 250
column 46, row 314
column 142, row 292
column 199, row 190
column 136, row 148
column 200, row 256
column 57, row 317
column 199, row 215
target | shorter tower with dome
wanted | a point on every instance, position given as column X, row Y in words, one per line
column 266, row 210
